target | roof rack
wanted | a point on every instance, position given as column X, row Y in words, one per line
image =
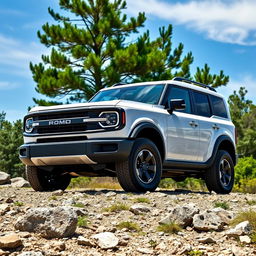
column 181, row 79
column 117, row 84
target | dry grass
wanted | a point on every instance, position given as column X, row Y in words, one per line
column 142, row 200
column 118, row 207
column 170, row 228
column 131, row 226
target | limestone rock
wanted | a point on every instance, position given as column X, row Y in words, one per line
column 240, row 229
column 10, row 241
column 4, row 178
column 31, row 254
column 106, row 240
column 49, row 222
column 19, row 182
column 139, row 209
column 4, row 208
column 182, row 215
column 245, row 239
column 145, row 250
column 84, row 241
column 208, row 220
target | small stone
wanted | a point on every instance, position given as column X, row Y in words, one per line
column 111, row 194
column 243, row 228
column 19, row 182
column 84, row 241
column 145, row 251
column 139, row 209
column 31, row 254
column 245, row 239
column 10, row 241
column 59, row 246
column 58, row 192
column 237, row 251
column 106, row 240
column 9, row 200
column 4, row 208
column 206, row 240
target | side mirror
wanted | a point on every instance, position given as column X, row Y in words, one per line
column 176, row 104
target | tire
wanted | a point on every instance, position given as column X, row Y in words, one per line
column 143, row 170
column 41, row 180
column 220, row 176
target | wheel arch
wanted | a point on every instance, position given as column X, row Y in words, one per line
column 225, row 143
column 151, row 132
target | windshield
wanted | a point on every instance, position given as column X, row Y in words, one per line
column 144, row 93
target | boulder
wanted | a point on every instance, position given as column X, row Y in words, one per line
column 243, row 228
column 19, row 182
column 139, row 209
column 209, row 220
column 4, row 178
column 55, row 222
column 10, row 241
column 106, row 240
column 181, row 215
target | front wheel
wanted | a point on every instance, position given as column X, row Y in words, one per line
column 143, row 169
column 220, row 176
column 41, row 180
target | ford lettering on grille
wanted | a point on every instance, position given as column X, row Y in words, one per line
column 60, row 122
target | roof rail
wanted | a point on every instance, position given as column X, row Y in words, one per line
column 117, row 84
column 181, row 79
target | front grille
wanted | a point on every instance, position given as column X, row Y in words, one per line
column 75, row 121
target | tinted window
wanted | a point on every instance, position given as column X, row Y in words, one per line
column 202, row 104
column 218, row 107
column 145, row 93
column 183, row 94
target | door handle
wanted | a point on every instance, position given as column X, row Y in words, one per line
column 193, row 124
column 215, row 127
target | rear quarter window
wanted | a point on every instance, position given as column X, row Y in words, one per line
column 218, row 107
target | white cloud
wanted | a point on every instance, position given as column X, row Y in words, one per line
column 229, row 21
column 15, row 55
column 5, row 85
column 247, row 81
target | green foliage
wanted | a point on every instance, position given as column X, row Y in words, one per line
column 131, row 226
column 79, row 205
column 82, row 222
column 251, row 202
column 171, row 228
column 142, row 200
column 189, row 183
column 93, row 50
column 79, row 182
column 17, row 203
column 118, row 207
column 195, row 253
column 245, row 169
column 222, row 205
column 10, row 140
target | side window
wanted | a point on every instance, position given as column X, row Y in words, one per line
column 218, row 107
column 202, row 104
column 179, row 93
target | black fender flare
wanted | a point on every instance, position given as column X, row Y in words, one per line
column 219, row 140
column 146, row 125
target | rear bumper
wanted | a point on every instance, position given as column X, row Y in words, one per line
column 79, row 152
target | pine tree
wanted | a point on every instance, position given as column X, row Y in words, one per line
column 91, row 48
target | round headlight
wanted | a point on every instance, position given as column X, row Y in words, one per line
column 111, row 119
column 29, row 125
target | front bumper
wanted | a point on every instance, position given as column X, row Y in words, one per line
column 79, row 152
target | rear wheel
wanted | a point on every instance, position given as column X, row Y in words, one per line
column 220, row 176
column 143, row 169
column 41, row 180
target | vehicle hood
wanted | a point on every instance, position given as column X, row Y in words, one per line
column 111, row 103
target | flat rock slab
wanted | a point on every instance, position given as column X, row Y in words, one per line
column 50, row 222
column 10, row 241
column 19, row 182
column 106, row 240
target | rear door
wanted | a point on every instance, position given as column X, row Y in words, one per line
column 182, row 128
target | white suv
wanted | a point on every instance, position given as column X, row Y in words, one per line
column 140, row 133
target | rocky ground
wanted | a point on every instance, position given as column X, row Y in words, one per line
column 107, row 222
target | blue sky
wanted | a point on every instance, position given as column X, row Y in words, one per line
column 221, row 33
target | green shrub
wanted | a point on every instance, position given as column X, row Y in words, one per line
column 79, row 182
column 245, row 169
column 118, row 207
column 82, row 221
column 171, row 228
column 222, row 205
column 246, row 186
column 142, row 200
column 131, row 226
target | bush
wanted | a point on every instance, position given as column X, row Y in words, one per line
column 245, row 169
